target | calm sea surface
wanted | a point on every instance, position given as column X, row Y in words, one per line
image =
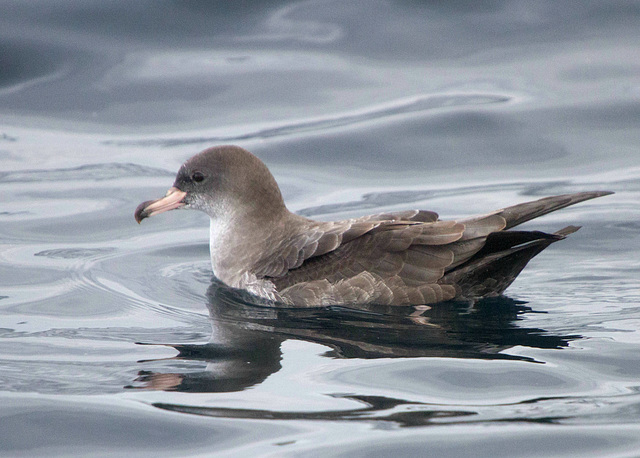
column 115, row 341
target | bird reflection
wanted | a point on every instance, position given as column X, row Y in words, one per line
column 245, row 345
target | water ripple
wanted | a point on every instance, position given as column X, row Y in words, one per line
column 94, row 172
column 74, row 253
column 401, row 107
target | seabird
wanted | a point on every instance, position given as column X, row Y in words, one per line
column 396, row 258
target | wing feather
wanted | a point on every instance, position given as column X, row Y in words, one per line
column 406, row 257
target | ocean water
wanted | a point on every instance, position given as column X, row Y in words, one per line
column 114, row 340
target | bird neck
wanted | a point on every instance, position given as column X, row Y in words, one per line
column 238, row 240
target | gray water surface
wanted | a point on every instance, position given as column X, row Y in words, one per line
column 115, row 341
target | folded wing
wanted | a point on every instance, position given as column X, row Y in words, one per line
column 410, row 257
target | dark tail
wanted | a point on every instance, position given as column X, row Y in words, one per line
column 521, row 213
column 490, row 271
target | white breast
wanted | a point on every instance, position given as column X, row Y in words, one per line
column 222, row 253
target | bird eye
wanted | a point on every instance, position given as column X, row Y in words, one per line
column 197, row 177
